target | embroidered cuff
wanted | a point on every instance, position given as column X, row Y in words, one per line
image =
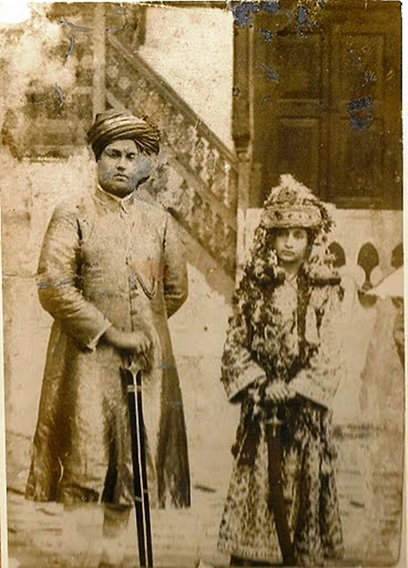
column 91, row 345
column 309, row 389
column 249, row 375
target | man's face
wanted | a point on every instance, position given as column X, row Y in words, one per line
column 121, row 167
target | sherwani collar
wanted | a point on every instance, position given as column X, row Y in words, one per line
column 113, row 202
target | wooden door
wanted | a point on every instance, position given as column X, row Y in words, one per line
column 327, row 103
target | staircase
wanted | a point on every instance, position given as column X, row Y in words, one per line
column 198, row 181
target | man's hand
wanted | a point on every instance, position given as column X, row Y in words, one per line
column 136, row 342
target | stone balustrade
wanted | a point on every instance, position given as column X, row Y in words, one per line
column 366, row 244
column 197, row 176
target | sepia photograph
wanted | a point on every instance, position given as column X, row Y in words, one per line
column 202, row 259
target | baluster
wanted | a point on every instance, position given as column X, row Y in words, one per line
column 233, row 190
column 173, row 130
column 217, row 239
column 140, row 94
column 368, row 259
column 195, row 214
column 397, row 256
column 189, row 198
column 210, row 164
column 223, row 242
column 152, row 105
column 166, row 118
column 186, row 139
column 182, row 197
column 124, row 83
column 159, row 179
column 229, row 252
column 159, row 113
column 218, row 181
column 339, row 256
column 172, row 197
column 227, row 184
column 206, row 224
column 198, row 154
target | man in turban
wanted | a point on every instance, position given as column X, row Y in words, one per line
column 111, row 273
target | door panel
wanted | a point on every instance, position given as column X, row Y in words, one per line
column 327, row 104
column 298, row 149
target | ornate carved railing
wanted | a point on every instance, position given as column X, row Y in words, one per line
column 197, row 174
column 198, row 181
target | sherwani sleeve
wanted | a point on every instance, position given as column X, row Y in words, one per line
column 58, row 280
column 238, row 368
column 320, row 379
column 175, row 279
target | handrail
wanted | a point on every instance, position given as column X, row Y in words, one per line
column 203, row 194
column 136, row 61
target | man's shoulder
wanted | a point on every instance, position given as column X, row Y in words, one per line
column 151, row 208
column 74, row 206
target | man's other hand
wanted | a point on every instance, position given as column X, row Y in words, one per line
column 131, row 341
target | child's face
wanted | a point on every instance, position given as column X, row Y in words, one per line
column 291, row 245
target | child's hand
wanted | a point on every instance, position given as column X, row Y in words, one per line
column 278, row 391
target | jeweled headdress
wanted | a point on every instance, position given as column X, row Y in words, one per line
column 292, row 204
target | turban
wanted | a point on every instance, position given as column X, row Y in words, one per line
column 114, row 125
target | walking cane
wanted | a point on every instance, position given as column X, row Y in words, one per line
column 132, row 377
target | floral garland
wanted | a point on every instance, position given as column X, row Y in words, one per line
column 255, row 297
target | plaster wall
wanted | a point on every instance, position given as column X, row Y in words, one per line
column 193, row 51
column 371, row 392
column 29, row 194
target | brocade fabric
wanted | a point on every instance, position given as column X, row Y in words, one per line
column 104, row 262
column 275, row 349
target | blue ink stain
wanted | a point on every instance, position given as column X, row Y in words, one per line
column 270, row 7
column 360, row 113
column 302, row 15
column 268, row 35
column 67, row 23
column 362, row 103
column 71, row 48
column 272, row 75
column 361, row 123
column 60, row 94
column 243, row 12
column 45, row 285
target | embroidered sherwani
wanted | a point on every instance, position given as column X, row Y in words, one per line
column 108, row 261
column 298, row 342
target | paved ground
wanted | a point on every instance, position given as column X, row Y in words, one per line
column 38, row 532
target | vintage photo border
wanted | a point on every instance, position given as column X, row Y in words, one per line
column 403, row 558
